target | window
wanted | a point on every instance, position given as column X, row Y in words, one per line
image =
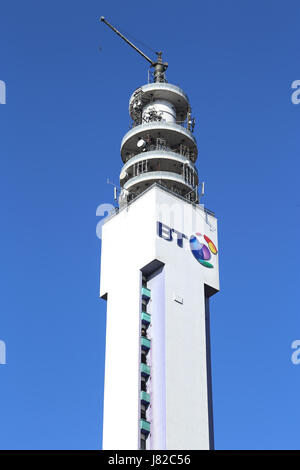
column 143, row 412
column 143, row 385
column 144, row 332
column 143, row 357
column 145, row 346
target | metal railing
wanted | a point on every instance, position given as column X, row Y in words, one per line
column 197, row 206
column 137, row 122
column 142, row 167
column 180, row 149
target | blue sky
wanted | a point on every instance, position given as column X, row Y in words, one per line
column 66, row 113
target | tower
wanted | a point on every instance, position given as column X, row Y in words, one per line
column 159, row 267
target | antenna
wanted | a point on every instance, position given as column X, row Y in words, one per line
column 115, row 189
column 159, row 66
column 192, row 191
column 202, row 189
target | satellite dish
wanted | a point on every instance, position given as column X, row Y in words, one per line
column 124, row 194
column 123, row 174
column 141, row 143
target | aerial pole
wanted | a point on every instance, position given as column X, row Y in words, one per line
column 159, row 66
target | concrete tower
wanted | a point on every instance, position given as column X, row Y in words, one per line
column 159, row 267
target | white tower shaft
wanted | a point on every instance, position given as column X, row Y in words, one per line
column 159, row 267
column 157, row 375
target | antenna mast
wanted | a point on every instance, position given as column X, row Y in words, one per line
column 159, row 66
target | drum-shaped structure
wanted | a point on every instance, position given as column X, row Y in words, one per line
column 160, row 146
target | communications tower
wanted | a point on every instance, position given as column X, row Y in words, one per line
column 159, row 267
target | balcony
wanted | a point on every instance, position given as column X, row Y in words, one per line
column 173, row 181
column 173, row 134
column 178, row 152
column 159, row 163
column 154, row 155
column 165, row 91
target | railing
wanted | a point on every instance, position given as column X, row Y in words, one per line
column 188, row 174
column 180, row 149
column 137, row 122
column 199, row 207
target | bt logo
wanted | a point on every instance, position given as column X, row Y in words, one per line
column 200, row 250
column 201, row 246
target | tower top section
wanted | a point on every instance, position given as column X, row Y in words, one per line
column 158, row 65
column 160, row 147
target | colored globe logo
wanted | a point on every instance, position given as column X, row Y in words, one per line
column 201, row 251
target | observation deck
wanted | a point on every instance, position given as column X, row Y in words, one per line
column 160, row 146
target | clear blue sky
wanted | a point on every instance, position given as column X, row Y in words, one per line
column 66, row 113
